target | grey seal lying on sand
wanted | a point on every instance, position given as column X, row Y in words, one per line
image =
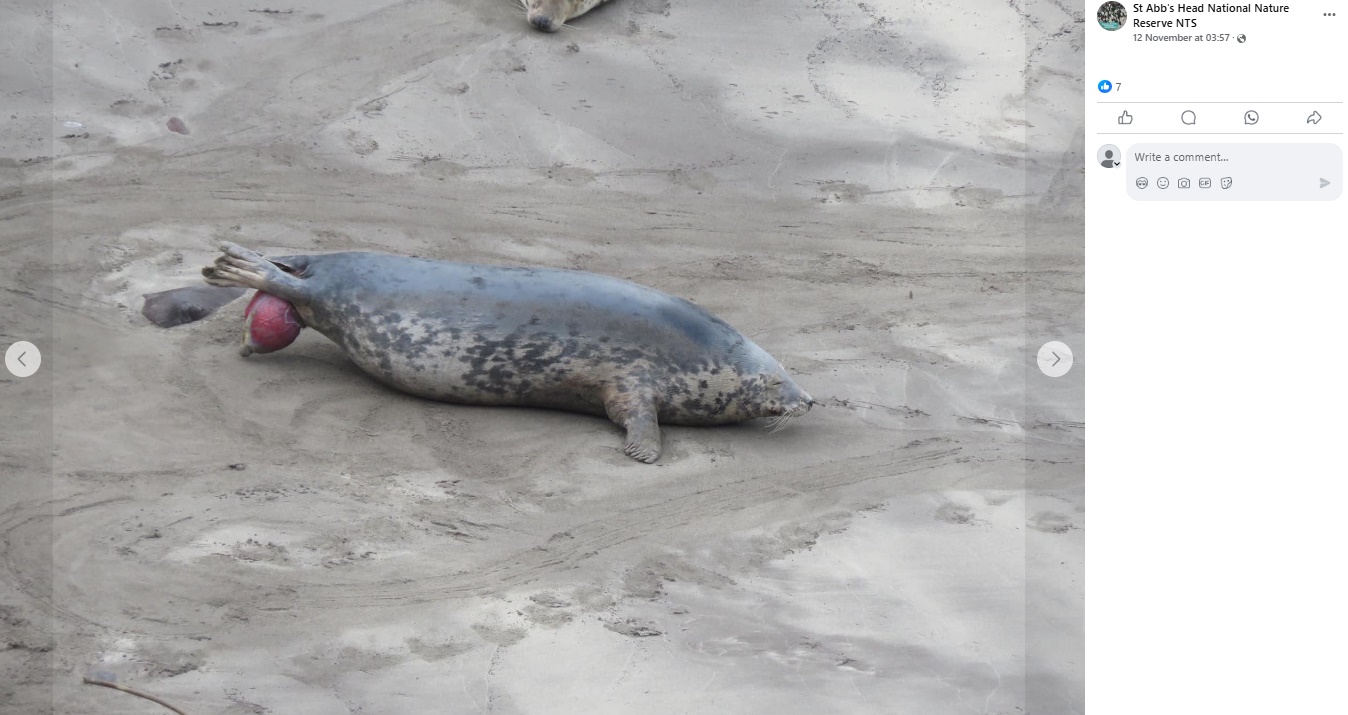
column 534, row 337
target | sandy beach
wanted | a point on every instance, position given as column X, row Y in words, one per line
column 870, row 190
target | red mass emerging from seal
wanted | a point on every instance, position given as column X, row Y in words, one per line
column 271, row 324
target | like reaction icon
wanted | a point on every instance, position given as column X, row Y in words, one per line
column 1125, row 118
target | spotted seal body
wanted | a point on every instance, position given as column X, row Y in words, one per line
column 536, row 337
column 550, row 15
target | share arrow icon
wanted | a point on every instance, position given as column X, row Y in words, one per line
column 1314, row 118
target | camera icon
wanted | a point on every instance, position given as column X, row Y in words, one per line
column 1184, row 183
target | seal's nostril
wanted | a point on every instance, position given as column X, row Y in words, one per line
column 542, row 22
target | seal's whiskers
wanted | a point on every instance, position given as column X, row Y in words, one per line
column 779, row 423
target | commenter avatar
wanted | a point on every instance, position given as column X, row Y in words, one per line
column 1111, row 15
column 1108, row 156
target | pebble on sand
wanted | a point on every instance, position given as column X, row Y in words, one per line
column 176, row 125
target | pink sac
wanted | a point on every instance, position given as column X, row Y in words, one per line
column 270, row 324
column 176, row 125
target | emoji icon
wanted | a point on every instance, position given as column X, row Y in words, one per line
column 1163, row 183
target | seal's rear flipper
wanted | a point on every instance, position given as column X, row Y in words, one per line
column 636, row 412
column 238, row 266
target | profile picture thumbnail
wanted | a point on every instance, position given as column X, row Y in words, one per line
column 1108, row 156
column 1111, row 15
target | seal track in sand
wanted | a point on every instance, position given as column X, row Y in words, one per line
column 75, row 522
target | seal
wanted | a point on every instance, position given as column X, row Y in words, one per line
column 532, row 337
column 550, row 15
column 179, row 306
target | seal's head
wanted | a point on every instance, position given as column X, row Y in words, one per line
column 784, row 399
column 762, row 388
column 550, row 15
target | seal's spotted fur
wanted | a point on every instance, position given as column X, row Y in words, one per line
column 537, row 337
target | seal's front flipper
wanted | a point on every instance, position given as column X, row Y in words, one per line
column 238, row 266
column 637, row 414
column 643, row 437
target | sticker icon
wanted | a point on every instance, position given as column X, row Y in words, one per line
column 1205, row 183
column 1226, row 182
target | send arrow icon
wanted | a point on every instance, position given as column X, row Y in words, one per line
column 1324, row 183
column 1314, row 118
